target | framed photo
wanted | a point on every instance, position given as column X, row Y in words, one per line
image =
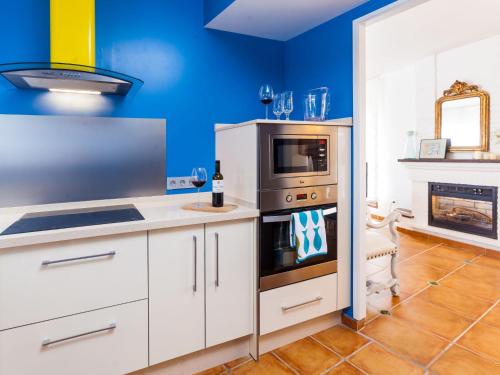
column 434, row 148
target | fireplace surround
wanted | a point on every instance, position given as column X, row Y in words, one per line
column 464, row 208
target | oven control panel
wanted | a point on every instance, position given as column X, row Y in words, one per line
column 289, row 198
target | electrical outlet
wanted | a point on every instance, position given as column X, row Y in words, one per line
column 174, row 183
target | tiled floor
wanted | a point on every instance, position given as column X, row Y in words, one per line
column 446, row 321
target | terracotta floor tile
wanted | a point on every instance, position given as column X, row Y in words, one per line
column 408, row 252
column 483, row 339
column 458, row 361
column 409, row 282
column 377, row 361
column 432, row 318
column 454, row 253
column 267, row 364
column 493, row 317
column 488, row 261
column 307, row 356
column 232, row 364
column 469, row 287
column 213, row 371
column 485, row 274
column 416, row 243
column 447, row 264
column 371, row 312
column 344, row 369
column 385, row 300
column 405, row 339
column 468, row 306
column 422, row 271
column 341, row 340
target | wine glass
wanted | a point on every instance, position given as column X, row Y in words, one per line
column 278, row 106
column 287, row 103
column 198, row 179
column 266, row 95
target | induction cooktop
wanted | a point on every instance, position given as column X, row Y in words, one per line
column 41, row 221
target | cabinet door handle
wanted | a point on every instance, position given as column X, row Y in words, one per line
column 317, row 299
column 216, row 259
column 47, row 342
column 49, row 262
column 195, row 262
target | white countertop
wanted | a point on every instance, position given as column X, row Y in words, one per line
column 346, row 121
column 158, row 212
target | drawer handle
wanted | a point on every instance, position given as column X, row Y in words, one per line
column 286, row 308
column 216, row 260
column 47, row 342
column 195, row 243
column 49, row 262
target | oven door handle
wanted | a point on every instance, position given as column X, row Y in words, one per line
column 281, row 218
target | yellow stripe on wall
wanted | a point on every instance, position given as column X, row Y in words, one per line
column 72, row 31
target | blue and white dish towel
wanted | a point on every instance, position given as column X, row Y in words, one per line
column 308, row 234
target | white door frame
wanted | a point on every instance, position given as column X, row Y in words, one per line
column 359, row 157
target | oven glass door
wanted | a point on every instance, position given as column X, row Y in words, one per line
column 299, row 155
column 276, row 253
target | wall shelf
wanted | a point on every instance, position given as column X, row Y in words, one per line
column 481, row 161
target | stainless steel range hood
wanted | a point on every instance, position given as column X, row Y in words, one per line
column 68, row 78
column 72, row 55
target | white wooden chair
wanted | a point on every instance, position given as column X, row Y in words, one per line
column 379, row 245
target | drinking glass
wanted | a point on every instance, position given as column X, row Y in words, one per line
column 287, row 103
column 198, row 179
column 266, row 94
column 278, row 106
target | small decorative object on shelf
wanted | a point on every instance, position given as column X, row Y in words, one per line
column 266, row 95
column 316, row 104
column 434, row 148
column 287, row 103
column 411, row 145
column 278, row 106
column 217, row 187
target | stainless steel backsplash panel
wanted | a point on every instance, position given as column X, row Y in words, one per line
column 52, row 159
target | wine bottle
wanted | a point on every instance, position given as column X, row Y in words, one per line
column 217, row 187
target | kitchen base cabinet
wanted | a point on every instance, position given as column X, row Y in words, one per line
column 176, row 292
column 230, row 280
column 110, row 341
column 201, row 285
column 296, row 303
column 42, row 282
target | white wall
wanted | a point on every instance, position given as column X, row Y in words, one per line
column 404, row 100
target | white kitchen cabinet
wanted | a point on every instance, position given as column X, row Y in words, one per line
column 176, row 292
column 229, row 280
column 183, row 320
column 110, row 341
column 296, row 303
column 42, row 282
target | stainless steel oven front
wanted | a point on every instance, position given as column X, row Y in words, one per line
column 278, row 264
column 297, row 156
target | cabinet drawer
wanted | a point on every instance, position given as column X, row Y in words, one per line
column 49, row 281
column 296, row 303
column 67, row 346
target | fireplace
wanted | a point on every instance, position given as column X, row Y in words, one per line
column 464, row 208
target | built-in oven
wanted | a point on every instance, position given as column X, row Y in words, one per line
column 278, row 258
column 297, row 155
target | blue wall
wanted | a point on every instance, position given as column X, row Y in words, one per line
column 194, row 77
column 212, row 8
column 323, row 57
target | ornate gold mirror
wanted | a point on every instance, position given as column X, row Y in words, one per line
column 463, row 116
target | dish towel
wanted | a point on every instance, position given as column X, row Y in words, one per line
column 308, row 234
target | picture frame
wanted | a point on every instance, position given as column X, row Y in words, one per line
column 434, row 148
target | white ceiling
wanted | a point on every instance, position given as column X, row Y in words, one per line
column 430, row 28
column 279, row 19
